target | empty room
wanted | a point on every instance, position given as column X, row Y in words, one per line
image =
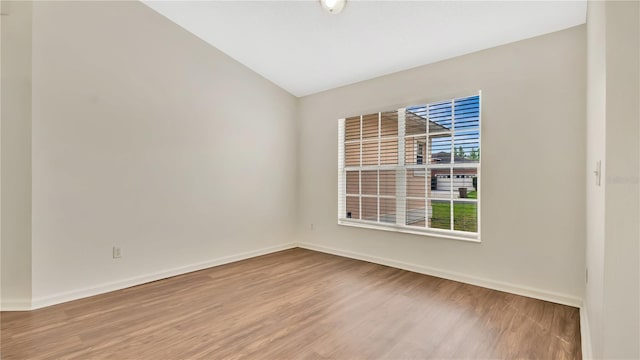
column 320, row 179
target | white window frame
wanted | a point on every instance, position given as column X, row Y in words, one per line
column 401, row 176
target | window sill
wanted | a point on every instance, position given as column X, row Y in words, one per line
column 453, row 235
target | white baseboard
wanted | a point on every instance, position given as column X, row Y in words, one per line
column 473, row 280
column 15, row 305
column 138, row 280
column 41, row 302
column 585, row 333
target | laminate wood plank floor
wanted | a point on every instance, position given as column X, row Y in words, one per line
column 296, row 304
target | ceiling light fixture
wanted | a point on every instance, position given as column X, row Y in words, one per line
column 333, row 6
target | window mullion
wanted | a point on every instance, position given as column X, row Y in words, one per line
column 360, row 175
column 479, row 171
column 453, row 158
column 427, row 174
column 401, row 174
column 453, row 143
column 379, row 163
column 342, row 175
column 451, row 198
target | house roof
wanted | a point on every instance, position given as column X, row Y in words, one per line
column 445, row 157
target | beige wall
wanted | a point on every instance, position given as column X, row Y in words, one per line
column 596, row 106
column 147, row 138
column 622, row 212
column 16, row 155
column 612, row 295
column 533, row 165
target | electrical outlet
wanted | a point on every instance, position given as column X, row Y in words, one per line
column 117, row 252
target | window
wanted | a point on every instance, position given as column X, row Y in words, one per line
column 415, row 169
column 419, row 153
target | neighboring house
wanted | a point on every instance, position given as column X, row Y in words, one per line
column 440, row 177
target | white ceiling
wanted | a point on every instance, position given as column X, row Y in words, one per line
column 304, row 50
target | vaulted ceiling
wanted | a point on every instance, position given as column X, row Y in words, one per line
column 305, row 50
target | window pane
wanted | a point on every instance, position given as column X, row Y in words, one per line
column 370, row 182
column 370, row 153
column 389, row 152
column 467, row 146
column 440, row 117
column 353, row 207
column 352, row 154
column 370, row 126
column 464, row 185
column 388, row 210
column 370, row 208
column 415, row 150
column 465, row 216
column 416, row 120
column 416, row 212
column 387, row 182
column 389, row 122
column 415, row 183
column 467, row 113
column 440, row 214
column 353, row 182
column 439, row 150
column 440, row 183
column 352, row 128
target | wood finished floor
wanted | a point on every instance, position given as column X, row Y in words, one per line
column 296, row 304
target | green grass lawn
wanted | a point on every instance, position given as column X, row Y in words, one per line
column 464, row 215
